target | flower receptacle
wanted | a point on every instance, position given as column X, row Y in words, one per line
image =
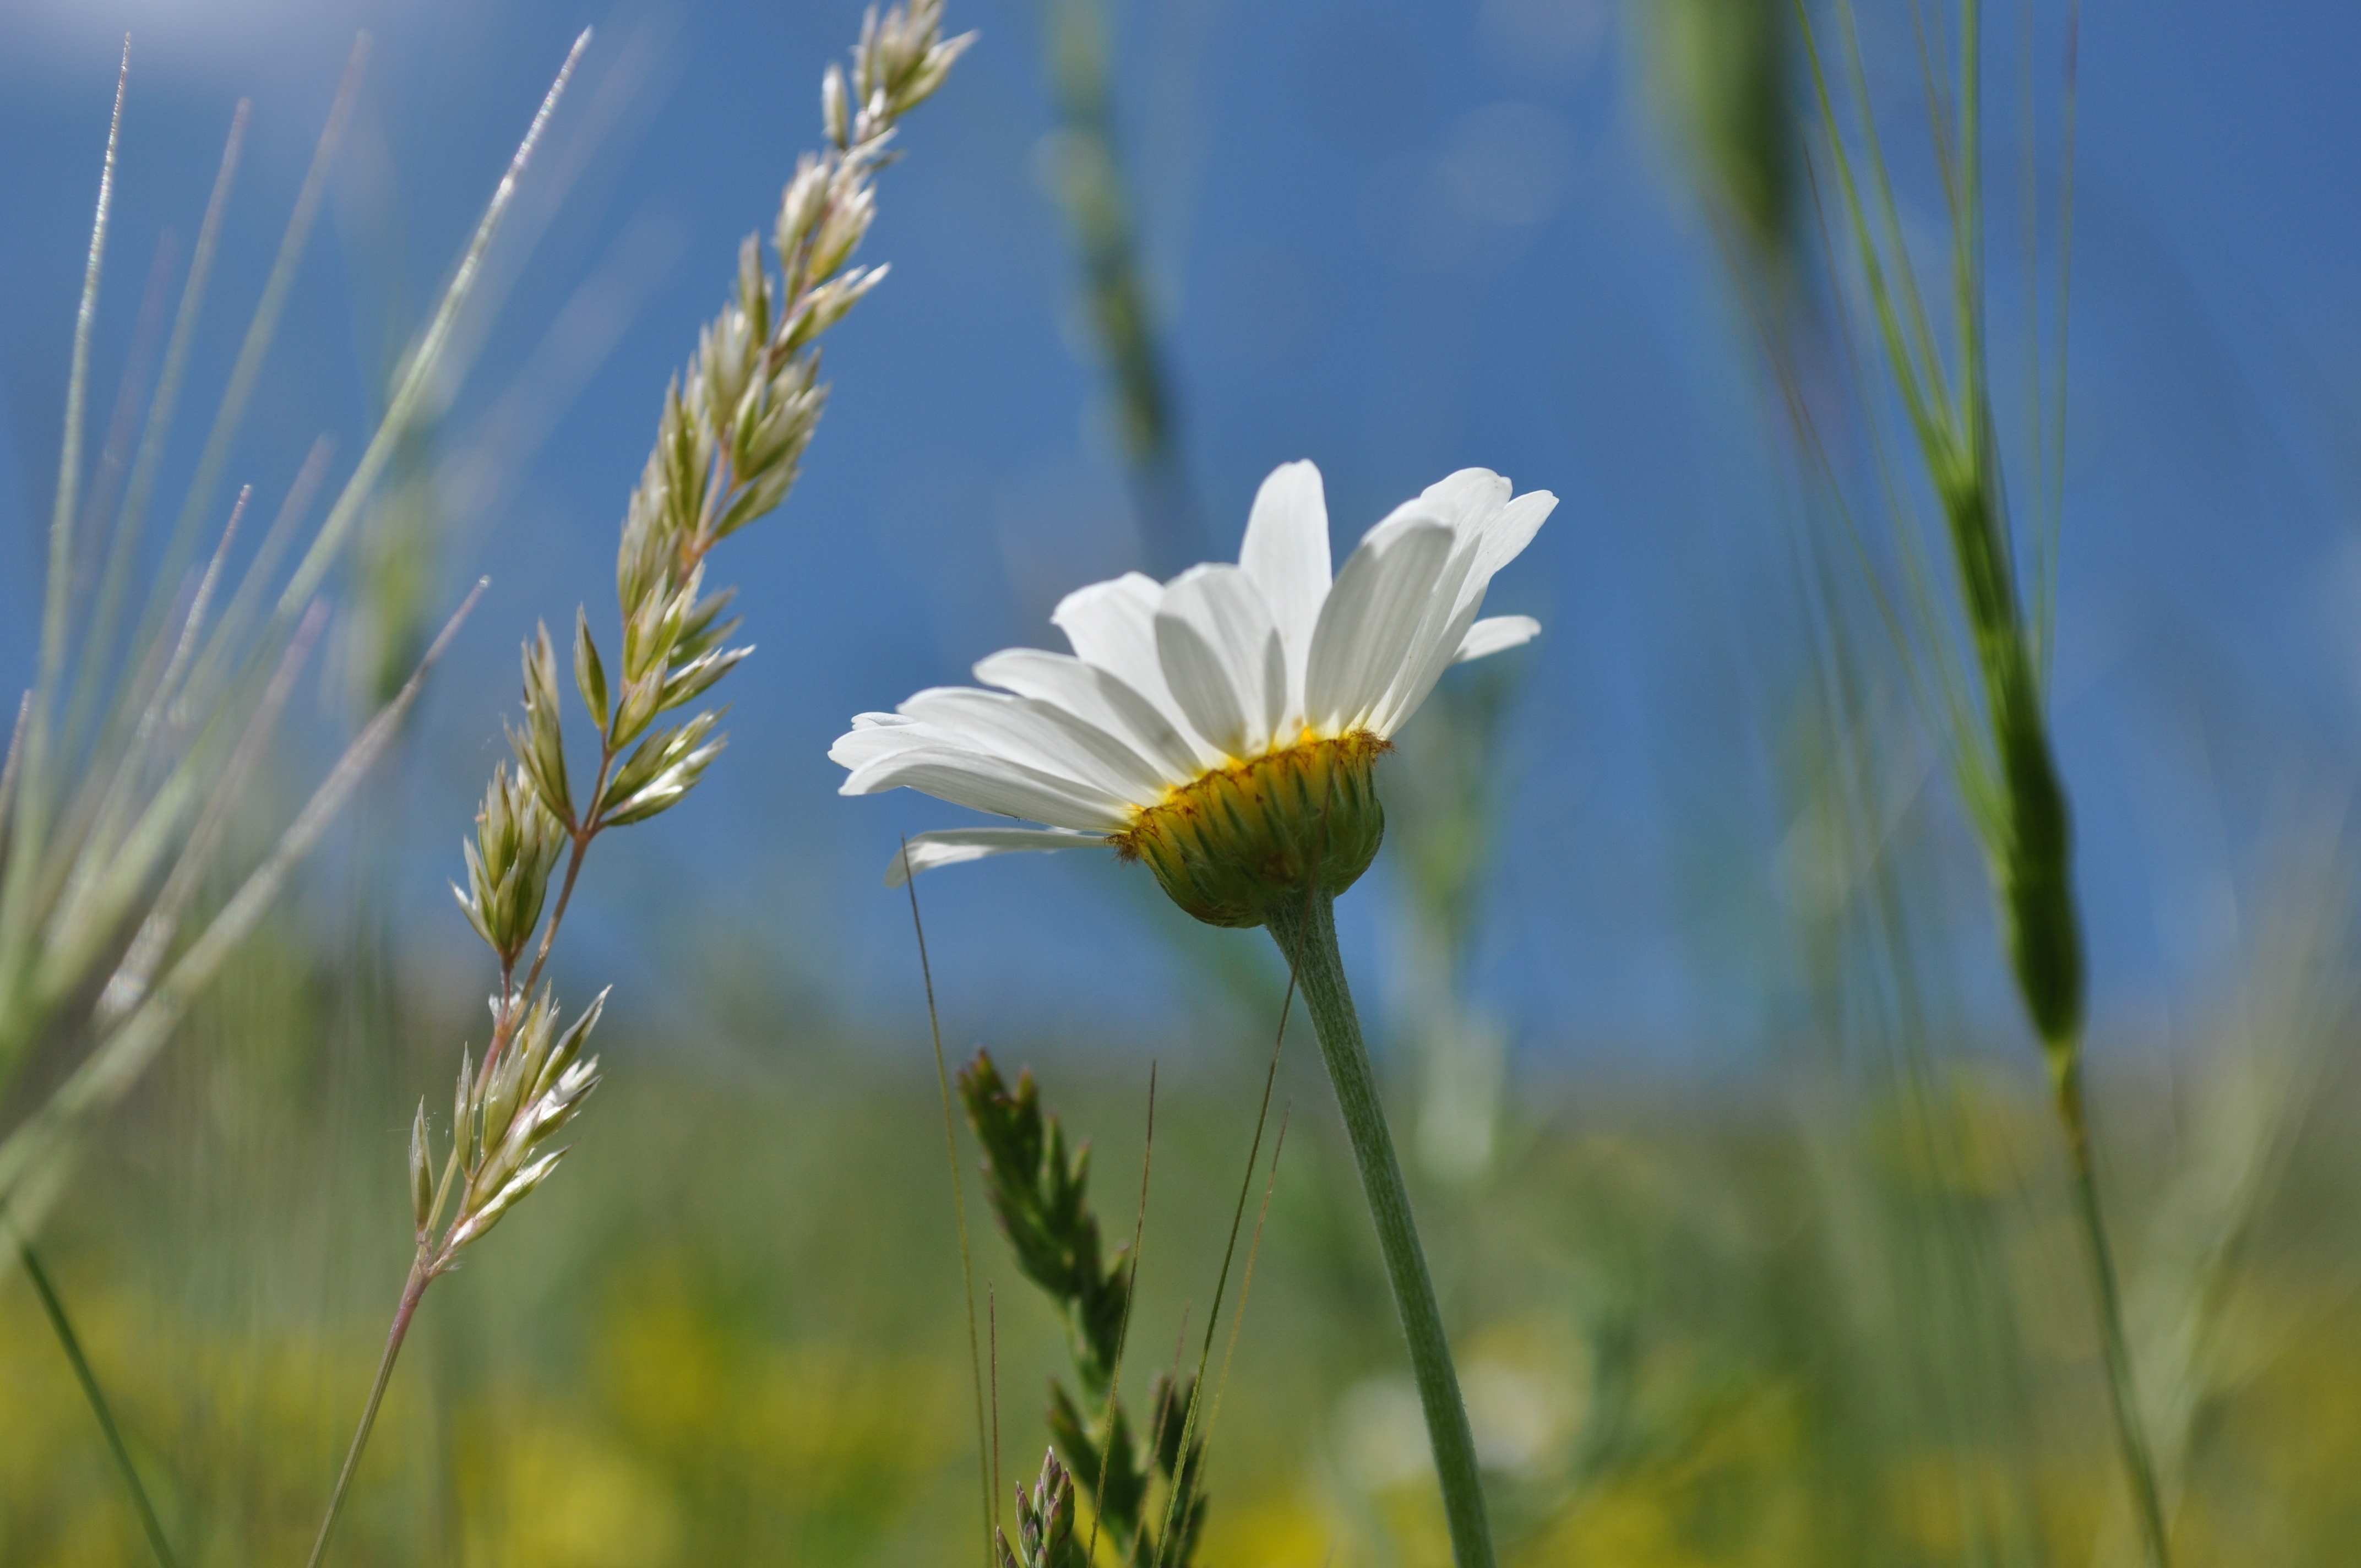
column 1232, row 842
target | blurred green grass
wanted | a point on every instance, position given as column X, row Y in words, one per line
column 1701, row 1324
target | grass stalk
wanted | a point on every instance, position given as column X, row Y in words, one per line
column 2004, row 754
column 2131, row 1432
column 122, row 549
column 1117, row 300
column 124, row 1052
column 424, row 361
column 413, row 1292
column 959, row 1208
column 262, row 329
column 61, row 517
column 1307, row 933
column 1123, row 1328
column 1184, row 1483
column 70, row 1343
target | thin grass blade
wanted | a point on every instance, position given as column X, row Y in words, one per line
column 118, row 1059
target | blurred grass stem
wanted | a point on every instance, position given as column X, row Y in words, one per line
column 1181, row 1489
column 122, row 547
column 70, row 1343
column 1123, row 1330
column 1239, row 1315
column 1307, row 935
column 254, row 349
column 2074, row 1116
column 1087, row 177
column 959, row 1207
column 115, row 1061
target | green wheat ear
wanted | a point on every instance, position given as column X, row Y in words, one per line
column 1722, row 72
column 1040, row 1193
column 1996, row 721
column 1045, row 1523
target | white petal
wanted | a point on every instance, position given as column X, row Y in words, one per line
column 1423, row 664
column 1463, row 501
column 1223, row 659
column 1467, row 499
column 1040, row 735
column 1286, row 553
column 1492, row 536
column 1113, row 625
column 875, row 735
column 1496, row 634
column 1504, row 536
column 954, row 846
column 1371, row 615
column 1096, row 697
column 1448, row 612
column 985, row 783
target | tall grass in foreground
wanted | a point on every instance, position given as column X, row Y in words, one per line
column 152, row 716
column 138, row 737
column 727, row 1328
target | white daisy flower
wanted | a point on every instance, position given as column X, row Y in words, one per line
column 1222, row 727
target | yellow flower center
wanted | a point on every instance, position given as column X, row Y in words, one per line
column 1231, row 842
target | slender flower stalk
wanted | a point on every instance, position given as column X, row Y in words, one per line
column 2131, row 1427
column 731, row 434
column 1224, row 728
column 1307, row 935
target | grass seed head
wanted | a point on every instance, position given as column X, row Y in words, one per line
column 1045, row 1522
column 516, row 844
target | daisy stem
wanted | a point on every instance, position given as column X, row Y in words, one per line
column 1307, row 935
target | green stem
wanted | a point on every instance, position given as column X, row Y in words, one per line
column 2065, row 1073
column 421, row 1275
column 1307, row 935
column 71, row 1343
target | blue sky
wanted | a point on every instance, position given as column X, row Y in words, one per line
column 1395, row 238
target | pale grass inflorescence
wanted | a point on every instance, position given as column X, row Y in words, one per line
column 732, row 431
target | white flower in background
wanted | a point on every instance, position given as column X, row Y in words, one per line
column 1222, row 727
